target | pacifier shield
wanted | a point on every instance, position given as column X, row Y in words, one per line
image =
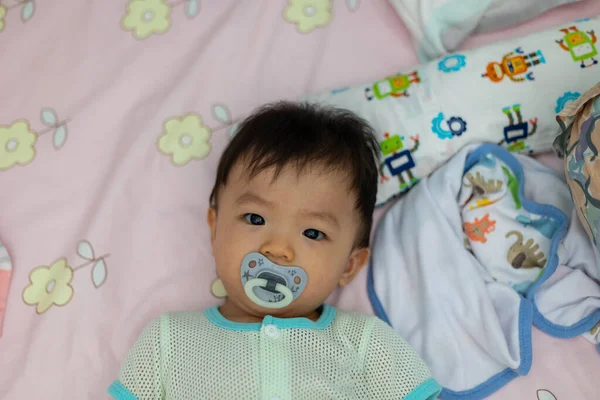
column 271, row 285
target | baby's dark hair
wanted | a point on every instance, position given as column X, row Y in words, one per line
column 301, row 135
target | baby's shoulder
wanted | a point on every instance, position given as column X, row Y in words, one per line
column 173, row 329
column 356, row 326
column 170, row 324
column 368, row 330
column 183, row 319
column 355, row 320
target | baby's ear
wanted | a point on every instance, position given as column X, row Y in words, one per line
column 211, row 219
column 358, row 259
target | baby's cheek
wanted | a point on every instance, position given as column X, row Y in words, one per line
column 231, row 250
column 228, row 270
column 232, row 238
column 321, row 282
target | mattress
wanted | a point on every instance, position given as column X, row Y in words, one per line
column 103, row 212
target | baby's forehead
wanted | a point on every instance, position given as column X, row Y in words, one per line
column 332, row 179
column 313, row 182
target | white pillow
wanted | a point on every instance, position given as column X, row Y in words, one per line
column 462, row 98
column 440, row 26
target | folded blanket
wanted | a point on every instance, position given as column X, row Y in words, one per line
column 472, row 257
column 578, row 143
column 439, row 27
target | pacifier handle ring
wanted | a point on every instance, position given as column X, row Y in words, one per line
column 252, row 283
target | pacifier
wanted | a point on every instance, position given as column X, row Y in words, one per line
column 271, row 285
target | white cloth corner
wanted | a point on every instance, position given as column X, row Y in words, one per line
column 439, row 27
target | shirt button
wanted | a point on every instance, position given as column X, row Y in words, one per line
column 271, row 331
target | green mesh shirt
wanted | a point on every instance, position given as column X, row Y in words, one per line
column 202, row 355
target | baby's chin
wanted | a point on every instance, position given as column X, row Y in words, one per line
column 290, row 312
column 298, row 308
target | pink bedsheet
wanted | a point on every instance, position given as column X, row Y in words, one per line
column 110, row 218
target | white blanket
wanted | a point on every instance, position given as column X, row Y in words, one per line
column 466, row 262
column 439, row 27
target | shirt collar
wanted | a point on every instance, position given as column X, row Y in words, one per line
column 327, row 315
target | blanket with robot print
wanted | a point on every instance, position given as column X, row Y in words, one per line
column 469, row 260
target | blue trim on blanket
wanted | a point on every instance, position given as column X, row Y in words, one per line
column 497, row 381
column 562, row 331
column 529, row 314
column 375, row 303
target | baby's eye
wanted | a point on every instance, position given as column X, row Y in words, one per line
column 254, row 219
column 314, row 234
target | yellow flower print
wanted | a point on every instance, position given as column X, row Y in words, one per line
column 2, row 15
column 146, row 17
column 185, row 138
column 308, row 14
column 49, row 285
column 16, row 144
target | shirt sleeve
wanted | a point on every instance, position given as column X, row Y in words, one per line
column 140, row 377
column 393, row 370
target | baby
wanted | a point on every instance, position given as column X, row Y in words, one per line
column 290, row 220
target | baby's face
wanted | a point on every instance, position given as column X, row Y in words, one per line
column 307, row 220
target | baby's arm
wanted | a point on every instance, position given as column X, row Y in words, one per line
column 393, row 370
column 140, row 377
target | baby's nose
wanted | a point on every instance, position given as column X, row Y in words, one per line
column 278, row 250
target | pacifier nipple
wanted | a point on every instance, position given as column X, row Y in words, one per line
column 271, row 285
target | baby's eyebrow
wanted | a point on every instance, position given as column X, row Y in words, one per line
column 248, row 197
column 322, row 215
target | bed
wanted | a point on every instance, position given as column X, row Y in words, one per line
column 121, row 125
